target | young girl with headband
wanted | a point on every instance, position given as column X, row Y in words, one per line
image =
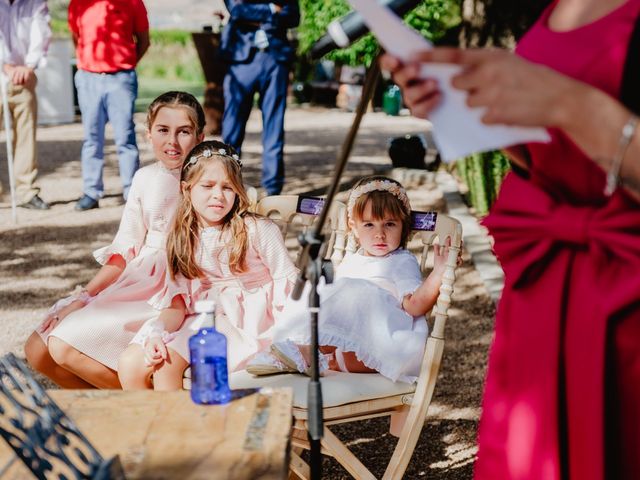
column 82, row 336
column 217, row 250
column 372, row 316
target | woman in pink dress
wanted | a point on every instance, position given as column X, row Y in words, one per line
column 219, row 251
column 563, row 389
column 80, row 340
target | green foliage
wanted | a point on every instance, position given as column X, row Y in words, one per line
column 432, row 18
column 172, row 57
column 483, row 174
column 171, row 63
column 60, row 27
column 170, row 37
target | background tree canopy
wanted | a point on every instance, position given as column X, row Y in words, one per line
column 432, row 18
column 468, row 22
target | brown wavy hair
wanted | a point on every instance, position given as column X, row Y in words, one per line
column 383, row 204
column 175, row 99
column 183, row 239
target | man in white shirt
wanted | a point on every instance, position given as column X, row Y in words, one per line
column 24, row 39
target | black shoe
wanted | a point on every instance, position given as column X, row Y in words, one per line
column 36, row 203
column 86, row 203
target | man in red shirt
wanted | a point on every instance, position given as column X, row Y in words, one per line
column 110, row 36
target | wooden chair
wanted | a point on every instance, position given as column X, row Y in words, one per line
column 349, row 397
column 252, row 193
column 283, row 210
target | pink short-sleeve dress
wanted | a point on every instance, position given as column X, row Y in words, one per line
column 248, row 304
column 105, row 327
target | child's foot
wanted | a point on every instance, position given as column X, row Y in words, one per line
column 289, row 353
column 266, row 363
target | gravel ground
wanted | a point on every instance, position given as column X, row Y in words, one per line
column 47, row 253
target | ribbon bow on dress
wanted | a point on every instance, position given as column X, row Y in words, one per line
column 569, row 271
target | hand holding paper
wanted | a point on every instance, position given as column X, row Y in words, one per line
column 457, row 129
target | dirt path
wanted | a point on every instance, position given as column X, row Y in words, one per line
column 48, row 253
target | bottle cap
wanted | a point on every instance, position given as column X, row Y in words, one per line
column 205, row 306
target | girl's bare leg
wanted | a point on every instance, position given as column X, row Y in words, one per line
column 82, row 365
column 38, row 356
column 168, row 376
column 133, row 372
column 354, row 365
column 351, row 361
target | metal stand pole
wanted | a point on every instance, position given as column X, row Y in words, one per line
column 312, row 268
column 8, row 128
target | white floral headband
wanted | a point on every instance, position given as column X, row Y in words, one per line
column 382, row 185
column 208, row 153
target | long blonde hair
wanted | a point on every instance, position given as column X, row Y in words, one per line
column 383, row 203
column 182, row 242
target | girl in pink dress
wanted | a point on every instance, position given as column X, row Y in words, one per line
column 217, row 250
column 80, row 340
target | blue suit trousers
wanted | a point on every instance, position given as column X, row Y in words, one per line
column 268, row 77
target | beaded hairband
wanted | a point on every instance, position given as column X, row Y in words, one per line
column 382, row 185
column 208, row 153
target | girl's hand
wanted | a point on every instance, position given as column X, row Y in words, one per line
column 440, row 255
column 155, row 351
column 53, row 318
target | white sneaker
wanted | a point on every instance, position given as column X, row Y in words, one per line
column 289, row 354
column 266, row 363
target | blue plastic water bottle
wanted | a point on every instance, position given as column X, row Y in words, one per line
column 208, row 348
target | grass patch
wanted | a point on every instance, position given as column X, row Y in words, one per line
column 171, row 63
column 150, row 87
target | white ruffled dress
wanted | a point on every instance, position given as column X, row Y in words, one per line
column 104, row 328
column 362, row 312
column 247, row 304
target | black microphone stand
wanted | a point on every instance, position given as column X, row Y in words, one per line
column 312, row 267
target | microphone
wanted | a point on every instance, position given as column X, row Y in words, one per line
column 344, row 31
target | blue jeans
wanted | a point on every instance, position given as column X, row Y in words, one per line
column 107, row 97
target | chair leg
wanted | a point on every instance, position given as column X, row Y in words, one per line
column 298, row 468
column 398, row 420
column 344, row 456
column 417, row 413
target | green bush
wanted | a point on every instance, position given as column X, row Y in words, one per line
column 483, row 174
column 172, row 56
column 170, row 37
column 171, row 63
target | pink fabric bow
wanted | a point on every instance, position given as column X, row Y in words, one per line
column 568, row 270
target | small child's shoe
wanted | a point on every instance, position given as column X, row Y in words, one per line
column 289, row 354
column 266, row 363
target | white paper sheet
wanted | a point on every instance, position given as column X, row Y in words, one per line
column 457, row 129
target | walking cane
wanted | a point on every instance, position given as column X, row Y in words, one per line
column 8, row 128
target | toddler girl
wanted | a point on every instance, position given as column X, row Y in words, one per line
column 217, row 250
column 80, row 340
column 372, row 316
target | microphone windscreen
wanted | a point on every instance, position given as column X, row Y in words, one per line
column 322, row 47
column 351, row 27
